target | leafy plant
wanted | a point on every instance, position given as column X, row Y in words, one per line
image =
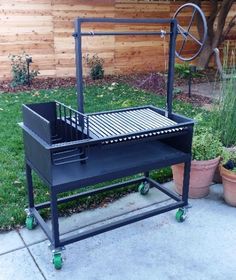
column 20, row 75
column 95, row 64
column 224, row 113
column 206, row 146
column 229, row 159
column 177, row 90
column 183, row 70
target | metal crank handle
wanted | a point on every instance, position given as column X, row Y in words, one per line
column 185, row 32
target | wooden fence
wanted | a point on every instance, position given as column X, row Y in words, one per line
column 43, row 29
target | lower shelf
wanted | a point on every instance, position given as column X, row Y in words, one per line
column 111, row 162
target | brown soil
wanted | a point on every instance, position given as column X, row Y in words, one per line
column 152, row 82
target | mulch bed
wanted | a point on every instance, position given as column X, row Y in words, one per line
column 152, row 82
column 37, row 84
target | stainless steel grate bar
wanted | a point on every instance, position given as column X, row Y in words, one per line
column 160, row 117
column 138, row 118
column 103, row 122
column 131, row 126
column 120, row 129
column 115, row 121
column 132, row 121
column 129, row 121
column 99, row 129
column 157, row 121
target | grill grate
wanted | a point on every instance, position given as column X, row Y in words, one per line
column 129, row 121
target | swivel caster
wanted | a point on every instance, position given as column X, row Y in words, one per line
column 57, row 260
column 181, row 215
column 144, row 188
column 30, row 222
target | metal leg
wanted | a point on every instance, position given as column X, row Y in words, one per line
column 55, row 224
column 187, row 166
column 29, row 182
column 30, row 221
column 146, row 174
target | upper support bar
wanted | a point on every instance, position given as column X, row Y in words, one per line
column 91, row 33
column 127, row 20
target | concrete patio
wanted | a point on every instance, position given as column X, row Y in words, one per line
column 202, row 248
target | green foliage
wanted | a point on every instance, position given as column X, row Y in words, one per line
column 19, row 70
column 95, row 64
column 224, row 113
column 229, row 159
column 177, row 90
column 206, row 145
column 228, row 154
column 182, row 70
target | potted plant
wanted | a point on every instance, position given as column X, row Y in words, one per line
column 223, row 115
column 228, row 173
column 206, row 151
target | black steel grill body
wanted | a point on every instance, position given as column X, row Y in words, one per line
column 69, row 149
column 56, row 143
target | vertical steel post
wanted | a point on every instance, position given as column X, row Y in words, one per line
column 189, row 82
column 29, row 185
column 79, row 67
column 171, row 66
column 187, row 167
column 55, row 224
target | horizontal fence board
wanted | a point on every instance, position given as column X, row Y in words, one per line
column 43, row 29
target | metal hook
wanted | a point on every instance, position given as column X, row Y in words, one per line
column 163, row 33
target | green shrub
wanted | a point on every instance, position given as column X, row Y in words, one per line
column 206, row 145
column 95, row 64
column 19, row 70
column 182, row 70
column 224, row 113
column 229, row 160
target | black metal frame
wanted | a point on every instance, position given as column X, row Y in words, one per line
column 54, row 235
column 134, row 157
column 78, row 34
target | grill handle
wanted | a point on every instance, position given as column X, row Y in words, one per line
column 70, row 156
column 82, row 160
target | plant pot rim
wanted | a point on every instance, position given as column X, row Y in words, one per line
column 197, row 163
column 226, row 172
column 213, row 160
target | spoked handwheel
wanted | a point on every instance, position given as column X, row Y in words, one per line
column 185, row 32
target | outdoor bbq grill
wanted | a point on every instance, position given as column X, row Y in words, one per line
column 70, row 149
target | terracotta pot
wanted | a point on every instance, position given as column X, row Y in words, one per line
column 201, row 176
column 229, row 184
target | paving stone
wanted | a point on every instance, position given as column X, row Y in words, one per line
column 203, row 248
column 10, row 241
column 18, row 265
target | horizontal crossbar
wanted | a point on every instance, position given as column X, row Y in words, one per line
column 164, row 190
column 90, row 192
column 117, row 224
column 127, row 20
